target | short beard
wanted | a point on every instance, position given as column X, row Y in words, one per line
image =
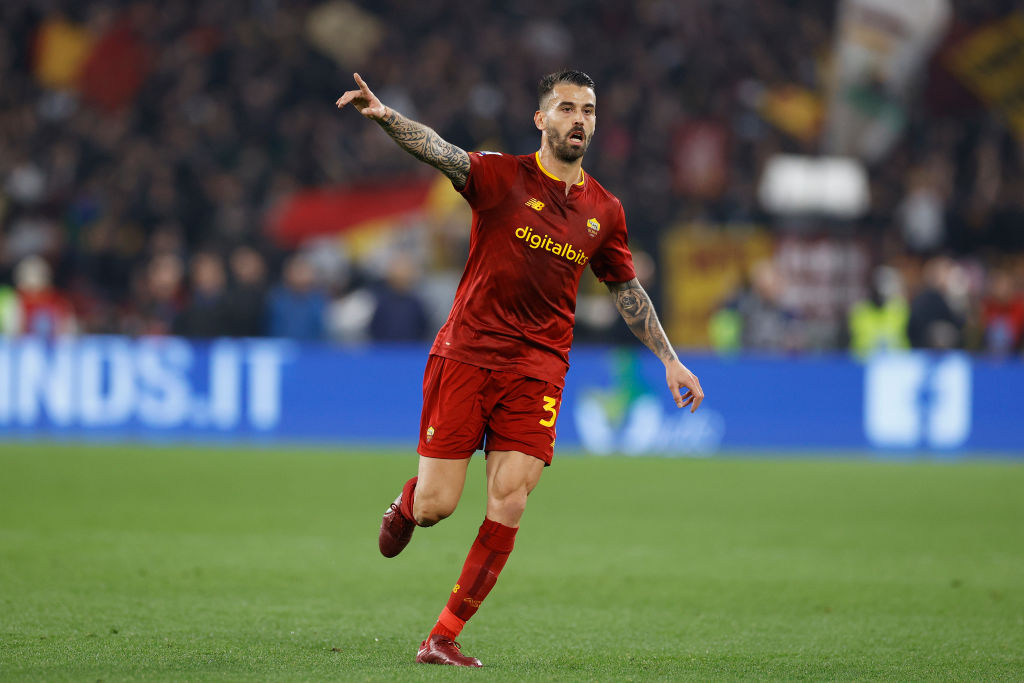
column 561, row 149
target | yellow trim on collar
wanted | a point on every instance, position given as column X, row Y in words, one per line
column 550, row 175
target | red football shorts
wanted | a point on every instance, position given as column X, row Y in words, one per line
column 466, row 407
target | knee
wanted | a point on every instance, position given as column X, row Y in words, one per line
column 507, row 507
column 429, row 510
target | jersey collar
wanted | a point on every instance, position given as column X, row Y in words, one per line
column 536, row 155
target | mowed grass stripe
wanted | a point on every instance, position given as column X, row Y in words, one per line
column 156, row 563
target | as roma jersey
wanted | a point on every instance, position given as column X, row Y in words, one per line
column 515, row 305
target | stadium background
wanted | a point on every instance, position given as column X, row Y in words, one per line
column 177, row 171
column 204, row 264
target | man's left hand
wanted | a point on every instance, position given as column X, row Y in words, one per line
column 678, row 377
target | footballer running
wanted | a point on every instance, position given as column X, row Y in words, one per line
column 495, row 372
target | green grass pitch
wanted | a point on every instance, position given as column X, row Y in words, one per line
column 181, row 563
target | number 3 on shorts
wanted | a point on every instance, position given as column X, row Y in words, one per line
column 549, row 406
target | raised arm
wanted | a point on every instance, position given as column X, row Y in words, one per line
column 418, row 140
column 636, row 309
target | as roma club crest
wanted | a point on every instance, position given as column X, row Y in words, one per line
column 593, row 227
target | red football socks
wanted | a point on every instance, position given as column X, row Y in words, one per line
column 408, row 495
column 485, row 561
column 448, row 625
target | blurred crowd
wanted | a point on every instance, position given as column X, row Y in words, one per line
column 937, row 303
column 134, row 193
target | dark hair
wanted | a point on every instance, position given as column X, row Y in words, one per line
column 548, row 83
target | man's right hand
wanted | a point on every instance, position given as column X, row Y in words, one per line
column 363, row 100
column 418, row 140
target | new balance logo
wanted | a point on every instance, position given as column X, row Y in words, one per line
column 535, row 204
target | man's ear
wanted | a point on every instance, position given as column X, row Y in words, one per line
column 538, row 119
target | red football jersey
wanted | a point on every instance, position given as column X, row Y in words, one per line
column 516, row 303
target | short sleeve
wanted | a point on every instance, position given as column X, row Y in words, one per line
column 614, row 262
column 491, row 174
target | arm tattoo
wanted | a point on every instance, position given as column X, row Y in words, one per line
column 426, row 145
column 636, row 309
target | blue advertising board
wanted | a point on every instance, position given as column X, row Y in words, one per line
column 615, row 400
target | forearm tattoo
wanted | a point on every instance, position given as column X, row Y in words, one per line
column 426, row 145
column 636, row 309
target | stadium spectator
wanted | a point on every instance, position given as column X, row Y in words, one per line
column 107, row 256
column 1002, row 314
column 756, row 315
column 247, row 295
column 936, row 320
column 400, row 314
column 43, row 310
column 879, row 322
column 160, row 297
column 10, row 311
column 298, row 305
column 207, row 314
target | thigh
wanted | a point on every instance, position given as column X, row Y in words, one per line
column 523, row 419
column 452, row 423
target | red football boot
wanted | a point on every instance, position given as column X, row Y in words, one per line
column 440, row 650
column 395, row 530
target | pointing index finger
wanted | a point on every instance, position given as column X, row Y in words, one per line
column 362, row 84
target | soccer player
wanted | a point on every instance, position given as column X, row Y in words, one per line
column 495, row 373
